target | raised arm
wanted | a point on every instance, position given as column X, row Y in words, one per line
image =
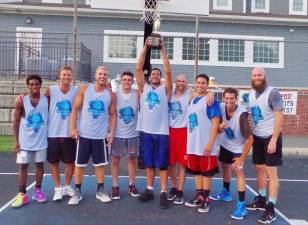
column 18, row 113
column 78, row 100
column 139, row 68
column 112, row 118
column 167, row 69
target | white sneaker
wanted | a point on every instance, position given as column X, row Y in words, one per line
column 102, row 196
column 76, row 198
column 58, row 194
column 68, row 191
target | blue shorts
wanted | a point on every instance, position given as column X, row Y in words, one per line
column 97, row 148
column 155, row 150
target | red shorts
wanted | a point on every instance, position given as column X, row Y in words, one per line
column 177, row 145
column 202, row 165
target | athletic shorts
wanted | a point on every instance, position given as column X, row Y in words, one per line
column 26, row 157
column 155, row 150
column 127, row 147
column 97, row 148
column 61, row 149
column 260, row 155
column 202, row 165
column 178, row 143
column 226, row 156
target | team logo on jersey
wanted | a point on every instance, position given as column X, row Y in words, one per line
column 35, row 121
column 127, row 114
column 152, row 100
column 96, row 108
column 193, row 121
column 230, row 133
column 245, row 97
column 64, row 108
column 175, row 109
column 256, row 114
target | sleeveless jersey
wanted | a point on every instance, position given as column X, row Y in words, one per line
column 178, row 110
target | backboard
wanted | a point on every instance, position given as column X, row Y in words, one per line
column 193, row 7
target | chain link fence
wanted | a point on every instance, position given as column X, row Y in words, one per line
column 226, row 48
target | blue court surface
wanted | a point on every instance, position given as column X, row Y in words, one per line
column 127, row 210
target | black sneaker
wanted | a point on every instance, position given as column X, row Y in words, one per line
column 195, row 202
column 132, row 190
column 164, row 203
column 172, row 194
column 115, row 194
column 179, row 200
column 268, row 215
column 147, row 195
column 258, row 204
column 205, row 206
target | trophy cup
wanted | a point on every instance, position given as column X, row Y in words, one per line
column 155, row 38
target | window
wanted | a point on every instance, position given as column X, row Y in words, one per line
column 260, row 6
column 222, row 4
column 231, row 50
column 265, row 52
column 122, row 46
column 189, row 49
column 155, row 53
column 298, row 7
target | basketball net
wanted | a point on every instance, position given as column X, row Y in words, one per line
column 151, row 11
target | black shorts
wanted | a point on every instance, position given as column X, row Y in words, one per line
column 260, row 155
column 97, row 148
column 61, row 149
column 226, row 156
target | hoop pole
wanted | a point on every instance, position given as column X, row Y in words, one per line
column 196, row 47
column 75, row 42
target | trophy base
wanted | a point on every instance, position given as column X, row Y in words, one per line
column 154, row 41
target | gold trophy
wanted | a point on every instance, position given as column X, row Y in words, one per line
column 155, row 38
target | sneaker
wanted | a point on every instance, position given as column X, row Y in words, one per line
column 224, row 195
column 146, row 196
column 179, row 200
column 76, row 198
column 103, row 196
column 68, row 191
column 172, row 194
column 21, row 200
column 195, row 202
column 164, row 203
column 268, row 215
column 57, row 197
column 115, row 193
column 132, row 190
column 205, row 206
column 258, row 203
column 39, row 196
column 240, row 211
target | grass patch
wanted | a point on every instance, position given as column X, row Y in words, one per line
column 6, row 143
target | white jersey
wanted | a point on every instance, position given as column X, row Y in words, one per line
column 60, row 109
column 154, row 117
column 94, row 114
column 199, row 126
column 127, row 114
column 33, row 126
column 262, row 115
column 232, row 138
column 178, row 110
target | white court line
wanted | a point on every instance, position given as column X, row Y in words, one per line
column 13, row 199
column 276, row 210
column 214, row 178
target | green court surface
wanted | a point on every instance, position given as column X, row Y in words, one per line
column 6, row 143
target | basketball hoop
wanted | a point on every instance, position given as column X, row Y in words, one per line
column 151, row 12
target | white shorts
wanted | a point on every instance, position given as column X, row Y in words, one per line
column 25, row 157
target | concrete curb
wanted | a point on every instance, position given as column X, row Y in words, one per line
column 295, row 151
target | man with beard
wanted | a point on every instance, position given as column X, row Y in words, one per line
column 153, row 123
column 96, row 106
column 201, row 159
column 267, row 115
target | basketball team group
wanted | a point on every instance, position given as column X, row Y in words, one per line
column 179, row 131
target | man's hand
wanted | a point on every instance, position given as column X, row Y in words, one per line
column 17, row 147
column 238, row 163
column 20, row 98
column 271, row 148
column 210, row 97
column 222, row 126
column 207, row 150
column 110, row 138
column 74, row 134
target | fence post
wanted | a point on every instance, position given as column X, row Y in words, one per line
column 75, row 41
column 196, row 48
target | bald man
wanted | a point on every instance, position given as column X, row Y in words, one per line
column 266, row 107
